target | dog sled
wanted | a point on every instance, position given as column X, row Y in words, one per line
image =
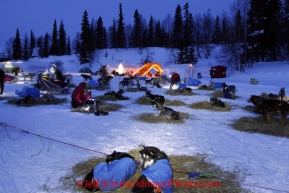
column 48, row 86
column 23, row 76
column 10, row 78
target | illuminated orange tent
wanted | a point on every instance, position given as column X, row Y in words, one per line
column 147, row 67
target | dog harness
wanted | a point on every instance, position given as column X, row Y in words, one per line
column 113, row 175
column 161, row 175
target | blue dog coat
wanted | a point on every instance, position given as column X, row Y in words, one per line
column 161, row 175
column 113, row 175
column 29, row 91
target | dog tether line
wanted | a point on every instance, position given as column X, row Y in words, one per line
column 48, row 138
column 84, row 148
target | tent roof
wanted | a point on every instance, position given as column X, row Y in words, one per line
column 85, row 69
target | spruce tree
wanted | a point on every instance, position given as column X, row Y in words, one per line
column 263, row 29
column 150, row 36
column 68, row 47
column 159, row 38
column 46, row 46
column 93, row 34
column 238, row 27
column 224, row 31
column 40, row 42
column 273, row 26
column 217, row 33
column 32, row 43
column 188, row 35
column 17, row 47
column 113, row 35
column 62, row 42
column 104, row 38
column 137, row 31
column 26, row 51
column 100, row 34
column 86, row 40
column 285, row 24
column 187, row 27
column 121, row 40
column 54, row 49
column 145, row 37
column 9, row 48
column 207, row 29
column 76, row 44
column 178, row 29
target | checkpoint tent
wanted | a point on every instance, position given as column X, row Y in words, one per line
column 145, row 69
column 190, row 71
column 85, row 70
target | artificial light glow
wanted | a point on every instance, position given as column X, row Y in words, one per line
column 120, row 69
column 175, row 86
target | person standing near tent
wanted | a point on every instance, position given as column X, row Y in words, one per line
column 175, row 79
column 2, row 77
column 103, row 71
column 57, row 74
column 81, row 95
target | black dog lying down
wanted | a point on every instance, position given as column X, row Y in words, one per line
column 157, row 174
column 215, row 102
column 86, row 77
column 140, row 87
column 154, row 97
column 112, row 174
column 157, row 101
column 168, row 113
column 117, row 94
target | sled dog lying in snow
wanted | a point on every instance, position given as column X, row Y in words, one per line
column 215, row 102
column 157, row 174
column 169, row 113
column 112, row 174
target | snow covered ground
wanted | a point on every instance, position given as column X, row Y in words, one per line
column 28, row 162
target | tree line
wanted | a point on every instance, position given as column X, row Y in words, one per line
column 256, row 30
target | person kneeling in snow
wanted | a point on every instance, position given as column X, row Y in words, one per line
column 175, row 79
column 81, row 96
column 227, row 91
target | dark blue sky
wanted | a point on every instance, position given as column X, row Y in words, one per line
column 39, row 15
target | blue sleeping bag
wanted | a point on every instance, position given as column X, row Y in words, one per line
column 93, row 83
column 161, row 175
column 29, row 91
column 113, row 175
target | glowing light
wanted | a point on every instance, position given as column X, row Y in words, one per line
column 120, row 69
column 175, row 86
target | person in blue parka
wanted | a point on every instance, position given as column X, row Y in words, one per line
column 227, row 91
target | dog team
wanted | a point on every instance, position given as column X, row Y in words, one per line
column 275, row 103
column 119, row 167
